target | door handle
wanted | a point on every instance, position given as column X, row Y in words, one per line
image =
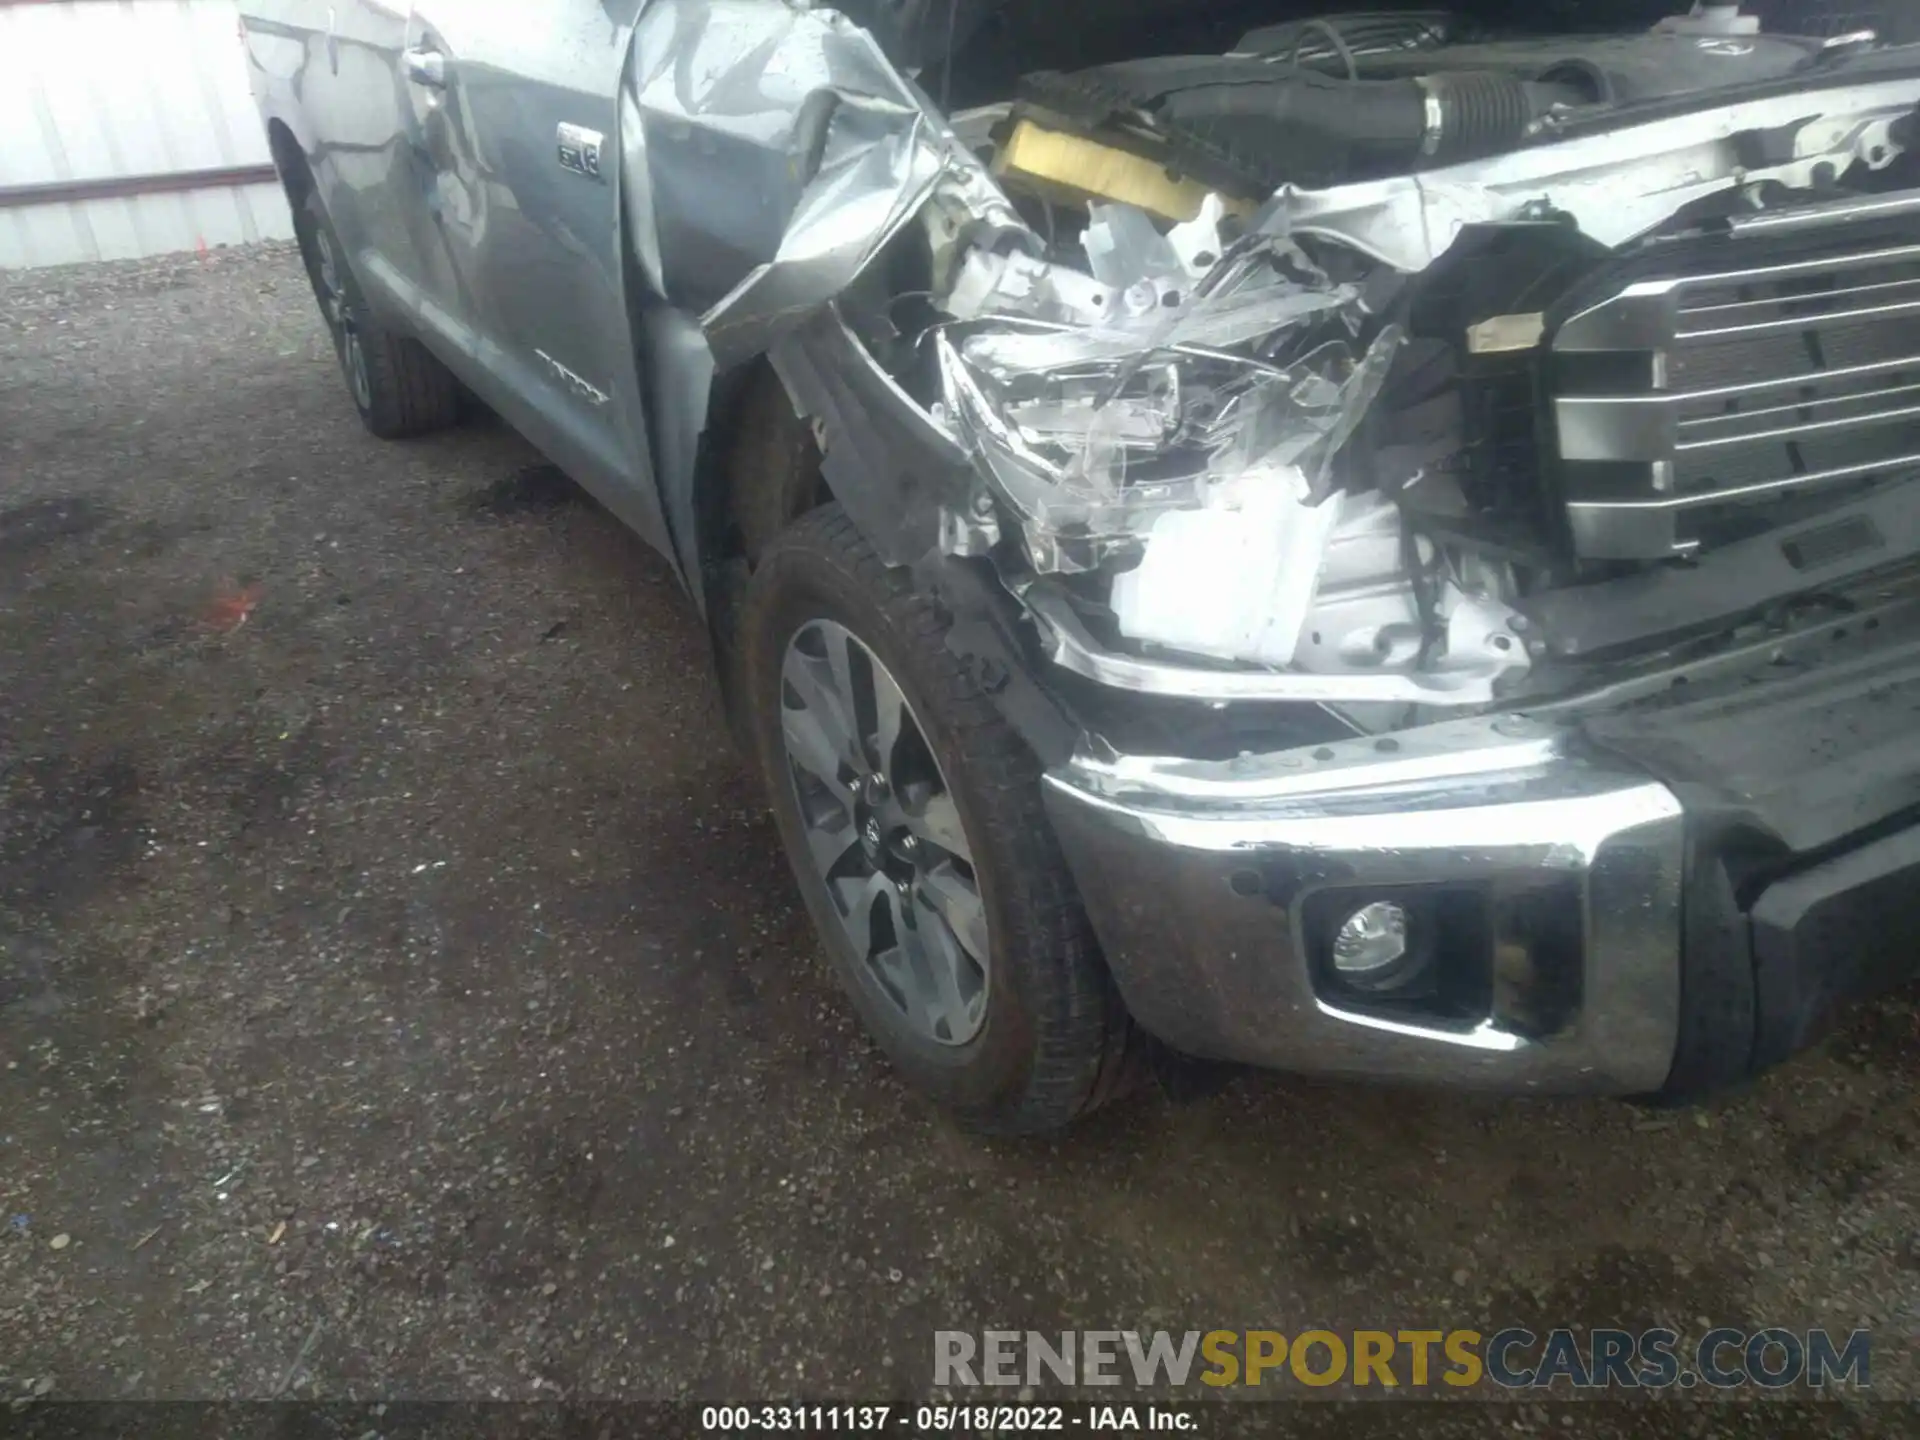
column 426, row 67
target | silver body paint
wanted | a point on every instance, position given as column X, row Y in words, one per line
column 592, row 212
column 591, row 209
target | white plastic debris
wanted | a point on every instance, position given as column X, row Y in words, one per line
column 1125, row 248
column 1233, row 580
column 988, row 283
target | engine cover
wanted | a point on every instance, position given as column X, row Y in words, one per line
column 1324, row 102
column 1613, row 70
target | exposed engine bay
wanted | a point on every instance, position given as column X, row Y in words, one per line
column 1383, row 363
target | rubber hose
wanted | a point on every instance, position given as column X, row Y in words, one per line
column 1480, row 112
column 1385, row 121
column 1379, row 123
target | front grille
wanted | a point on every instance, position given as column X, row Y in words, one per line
column 1763, row 368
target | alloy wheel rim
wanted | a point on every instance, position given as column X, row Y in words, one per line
column 884, row 834
column 346, row 335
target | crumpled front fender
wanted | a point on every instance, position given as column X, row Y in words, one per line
column 769, row 153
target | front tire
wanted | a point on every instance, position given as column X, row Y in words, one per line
column 911, row 814
column 398, row 386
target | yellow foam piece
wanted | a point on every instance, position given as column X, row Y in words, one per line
column 1087, row 168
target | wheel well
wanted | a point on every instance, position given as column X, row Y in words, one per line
column 296, row 176
column 759, row 472
column 765, row 470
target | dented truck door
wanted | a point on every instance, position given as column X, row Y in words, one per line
column 520, row 129
column 337, row 75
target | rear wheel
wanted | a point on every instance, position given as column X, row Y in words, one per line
column 911, row 814
column 397, row 385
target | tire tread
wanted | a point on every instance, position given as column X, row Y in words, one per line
column 413, row 392
column 1087, row 1050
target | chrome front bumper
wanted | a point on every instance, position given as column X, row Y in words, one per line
column 1197, row 876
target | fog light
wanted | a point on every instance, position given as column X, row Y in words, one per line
column 1371, row 943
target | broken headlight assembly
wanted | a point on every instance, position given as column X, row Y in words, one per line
column 1166, row 429
column 1254, row 373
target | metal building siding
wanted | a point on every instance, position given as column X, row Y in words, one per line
column 107, row 89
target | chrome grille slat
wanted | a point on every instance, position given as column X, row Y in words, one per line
column 1793, row 407
column 1646, row 314
column 1797, row 269
column 1790, row 391
column 1795, row 432
column 1799, row 380
column 1752, row 492
column 1659, row 427
column 1804, row 322
column 1774, row 302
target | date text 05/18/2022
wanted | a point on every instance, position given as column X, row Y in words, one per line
column 945, row 1419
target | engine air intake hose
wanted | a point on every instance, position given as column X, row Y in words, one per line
column 1479, row 112
column 1228, row 118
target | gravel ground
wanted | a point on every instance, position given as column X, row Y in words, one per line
column 402, row 992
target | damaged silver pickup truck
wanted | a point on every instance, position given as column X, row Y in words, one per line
column 1375, row 544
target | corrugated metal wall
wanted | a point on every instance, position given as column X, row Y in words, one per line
column 103, row 90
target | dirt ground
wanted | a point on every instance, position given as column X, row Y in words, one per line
column 402, row 993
